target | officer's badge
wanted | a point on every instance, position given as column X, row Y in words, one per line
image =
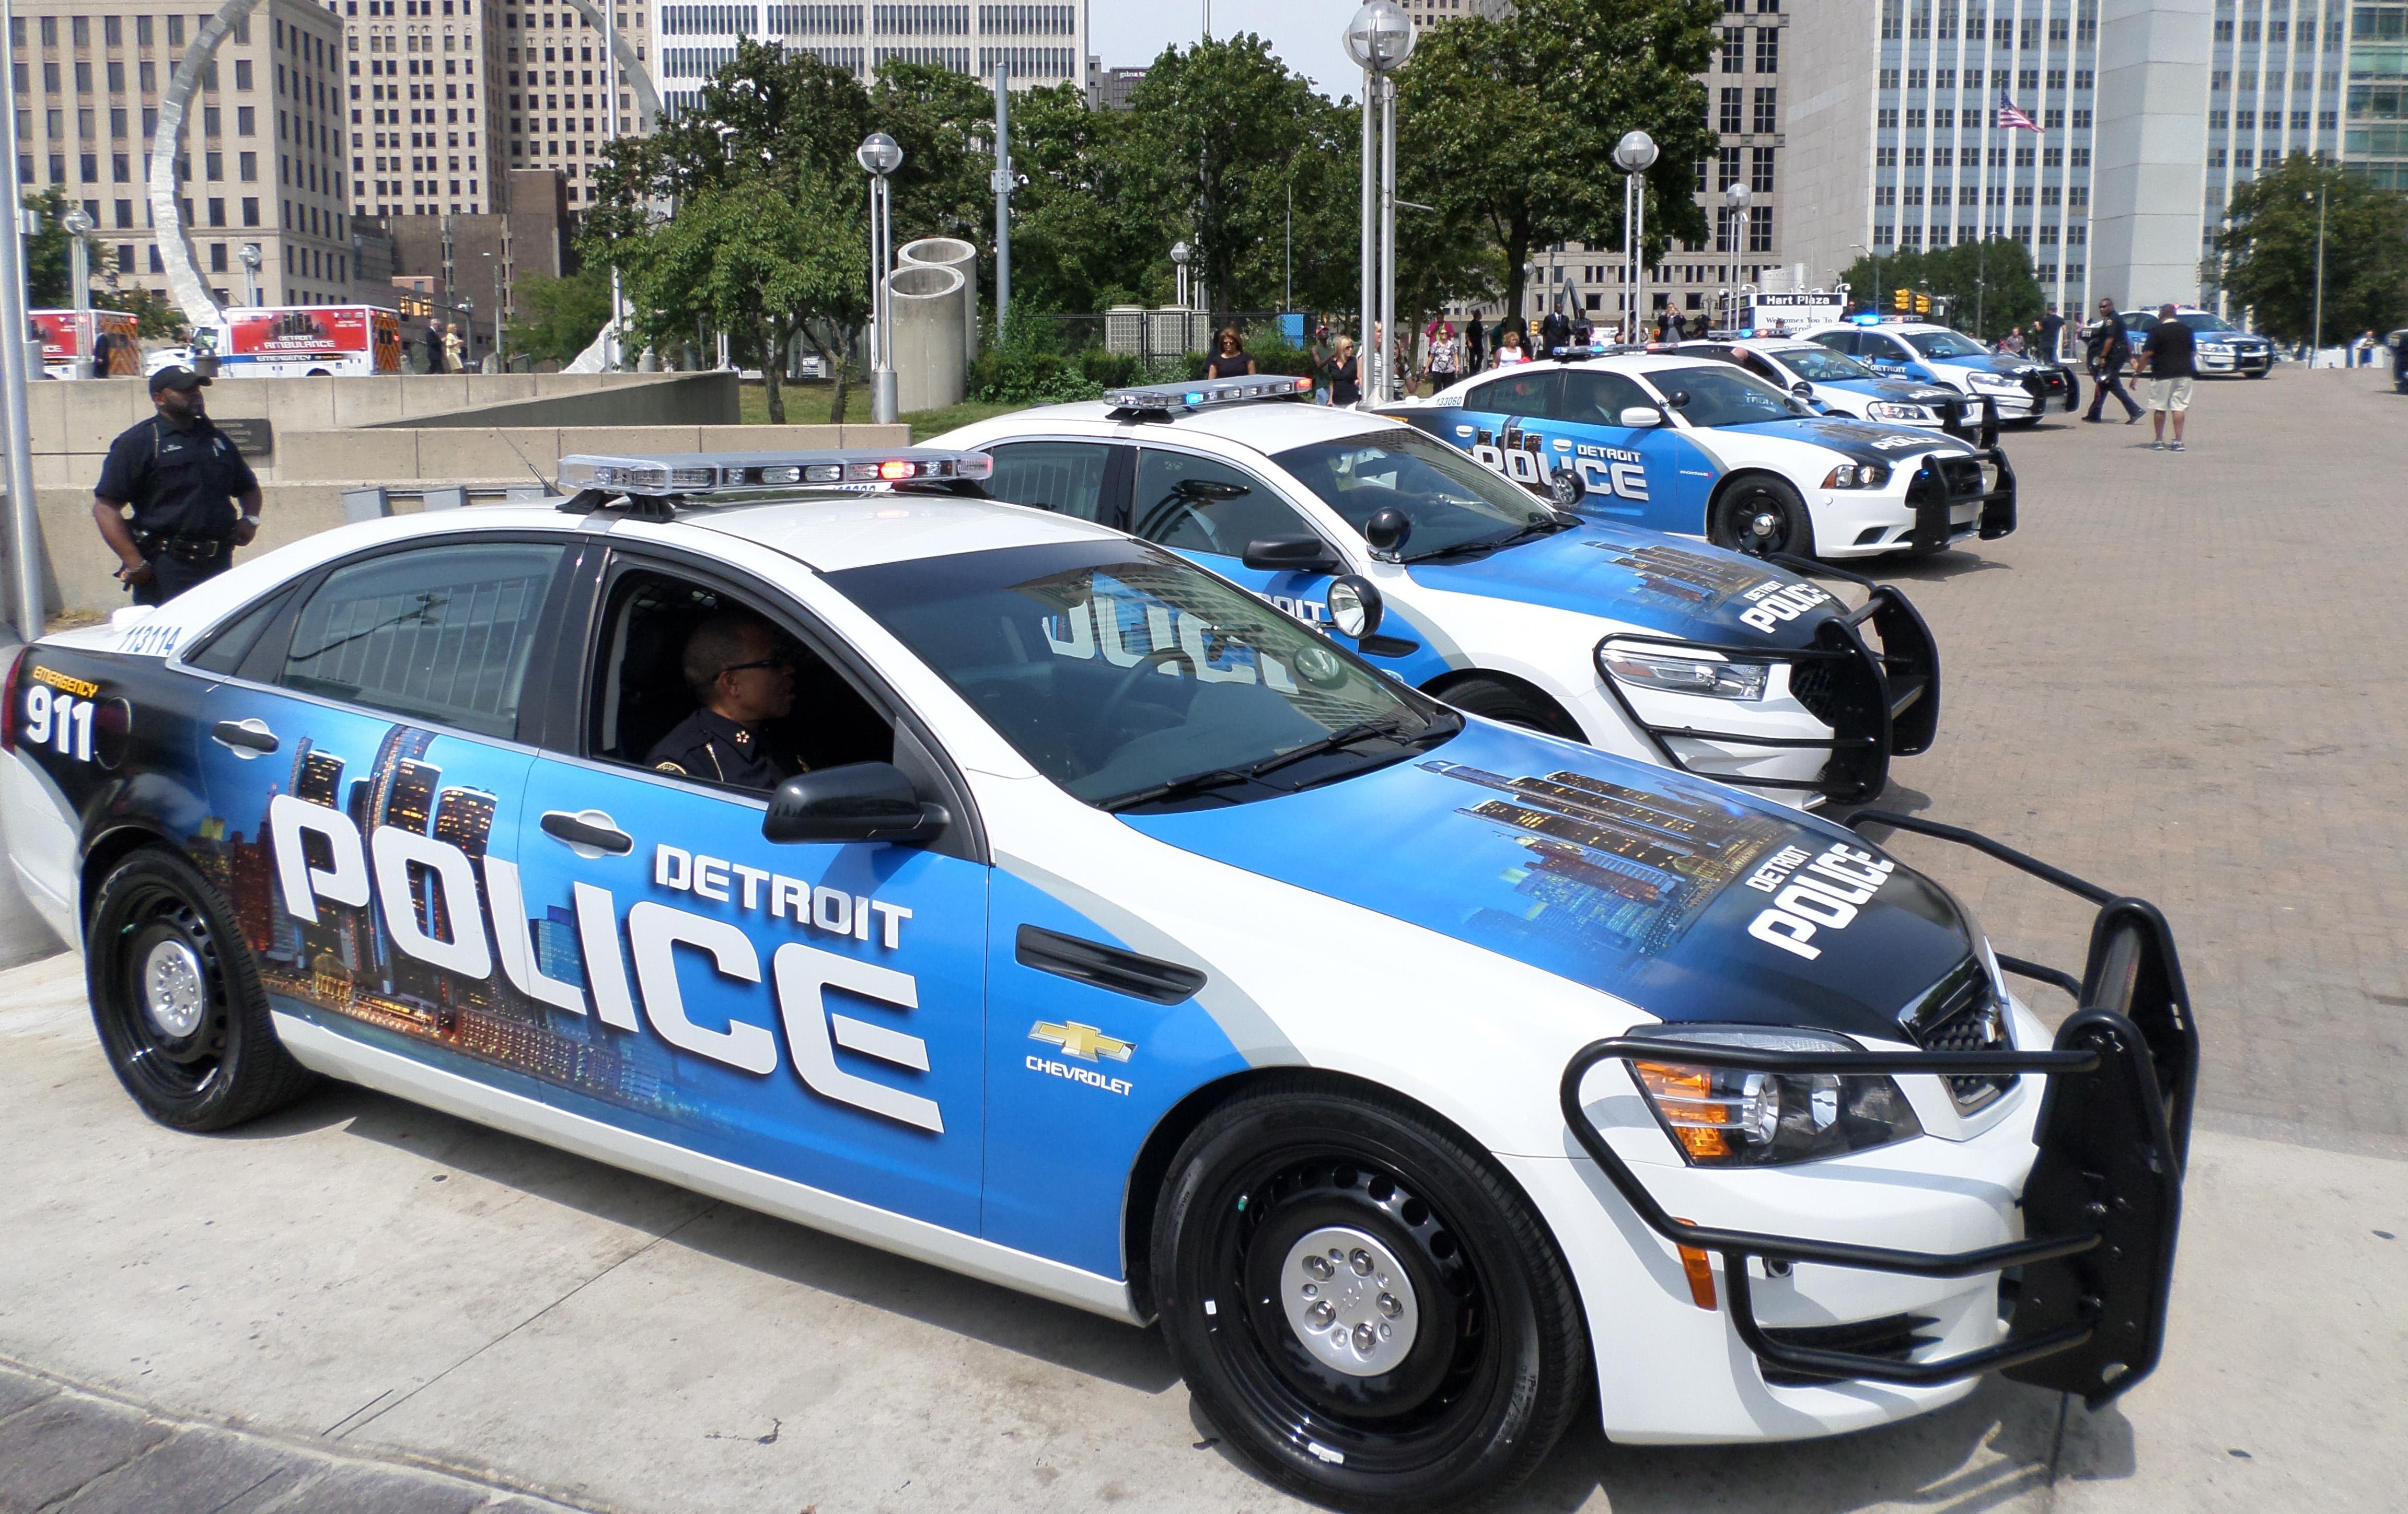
column 669, row 767
column 743, row 738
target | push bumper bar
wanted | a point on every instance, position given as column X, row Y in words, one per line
column 1879, row 704
column 2102, row 1201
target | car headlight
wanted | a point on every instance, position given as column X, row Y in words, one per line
column 1673, row 674
column 1857, row 476
column 1996, row 380
column 1721, row 1118
column 1886, row 410
column 2219, row 348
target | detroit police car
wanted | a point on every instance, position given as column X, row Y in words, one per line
column 2219, row 348
column 1582, row 625
column 1835, row 383
column 1694, row 445
column 1121, row 940
column 2020, row 387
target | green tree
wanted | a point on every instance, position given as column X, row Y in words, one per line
column 1075, row 245
column 559, row 318
column 48, row 278
column 2268, row 248
column 154, row 317
column 1989, row 286
column 1510, row 124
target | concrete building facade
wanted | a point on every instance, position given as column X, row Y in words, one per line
column 1039, row 42
column 262, row 155
column 420, row 88
column 564, row 97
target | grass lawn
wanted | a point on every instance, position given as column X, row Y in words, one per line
column 807, row 404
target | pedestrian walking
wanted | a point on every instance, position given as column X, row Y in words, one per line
column 1554, row 332
column 434, row 344
column 1445, row 358
column 1319, row 354
column 2172, row 367
column 2051, row 325
column 1230, row 359
column 194, row 500
column 1339, row 373
column 451, row 351
column 2110, row 349
column 2365, row 354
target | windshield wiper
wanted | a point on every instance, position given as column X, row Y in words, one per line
column 1544, row 526
column 1337, row 740
column 1220, row 777
column 1216, row 778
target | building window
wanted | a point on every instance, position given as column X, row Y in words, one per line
column 1768, row 50
column 1766, row 116
column 1729, row 121
column 1759, row 170
column 1734, row 50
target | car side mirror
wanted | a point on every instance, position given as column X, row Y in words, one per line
column 1199, row 489
column 1639, row 417
column 1802, row 390
column 856, row 802
column 1387, row 529
column 1298, row 552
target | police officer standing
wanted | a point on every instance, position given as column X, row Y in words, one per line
column 194, row 499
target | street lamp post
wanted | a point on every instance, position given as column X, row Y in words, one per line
column 1635, row 153
column 1876, row 260
column 78, row 225
column 501, row 357
column 24, row 524
column 1179, row 256
column 1735, row 199
column 248, row 255
column 1380, row 38
column 1003, row 185
column 879, row 156
column 467, row 310
column 2317, row 332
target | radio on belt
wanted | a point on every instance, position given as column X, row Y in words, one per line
column 731, row 472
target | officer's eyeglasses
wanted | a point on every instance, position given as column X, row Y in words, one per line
column 764, row 662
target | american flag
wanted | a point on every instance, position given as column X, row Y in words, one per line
column 2013, row 117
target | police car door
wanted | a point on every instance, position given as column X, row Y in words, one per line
column 1212, row 511
column 815, row 1012
column 365, row 782
column 1490, row 425
column 1651, row 475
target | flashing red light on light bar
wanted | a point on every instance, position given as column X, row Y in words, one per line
column 704, row 474
column 897, row 468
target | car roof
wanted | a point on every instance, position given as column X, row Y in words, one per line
column 1267, row 425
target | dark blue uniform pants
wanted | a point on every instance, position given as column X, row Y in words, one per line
column 171, row 575
column 2111, row 381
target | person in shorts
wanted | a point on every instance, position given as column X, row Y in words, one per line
column 2173, row 370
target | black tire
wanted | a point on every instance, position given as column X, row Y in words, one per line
column 1759, row 515
column 2262, row 372
column 1500, row 701
column 1492, row 1357
column 158, row 923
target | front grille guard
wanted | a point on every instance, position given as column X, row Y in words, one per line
column 1933, row 500
column 1879, row 705
column 2103, row 1199
column 2052, row 380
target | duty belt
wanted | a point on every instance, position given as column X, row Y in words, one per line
column 184, row 547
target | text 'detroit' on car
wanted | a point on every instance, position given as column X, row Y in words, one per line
column 1569, row 621
column 1118, row 938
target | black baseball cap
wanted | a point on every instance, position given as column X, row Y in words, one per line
column 176, row 375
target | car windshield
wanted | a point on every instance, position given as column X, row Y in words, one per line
column 1945, row 344
column 1135, row 680
column 1721, row 397
column 1820, row 364
column 1453, row 504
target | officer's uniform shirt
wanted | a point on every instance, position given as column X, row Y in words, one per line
column 707, row 745
column 181, row 480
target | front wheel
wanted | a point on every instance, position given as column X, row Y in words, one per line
column 177, row 1000
column 1374, row 1316
column 1500, row 701
column 1761, row 516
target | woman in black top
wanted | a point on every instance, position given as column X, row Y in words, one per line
column 1340, row 374
column 1230, row 359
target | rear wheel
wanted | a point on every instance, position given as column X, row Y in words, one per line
column 1504, row 703
column 177, row 1000
column 1366, row 1309
column 1760, row 516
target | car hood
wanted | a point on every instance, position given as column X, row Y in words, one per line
column 1665, row 584
column 1861, row 441
column 1904, row 391
column 2006, row 363
column 1623, row 878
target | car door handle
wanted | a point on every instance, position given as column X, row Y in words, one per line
column 246, row 737
column 587, row 831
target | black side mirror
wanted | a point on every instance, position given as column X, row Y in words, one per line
column 1802, row 390
column 1208, row 489
column 1387, row 529
column 1297, row 552
column 856, row 802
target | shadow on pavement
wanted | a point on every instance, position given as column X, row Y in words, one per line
column 1936, row 568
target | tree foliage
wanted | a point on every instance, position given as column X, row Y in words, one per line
column 1990, row 286
column 559, row 318
column 48, row 279
column 2268, row 252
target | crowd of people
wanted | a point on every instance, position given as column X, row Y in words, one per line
column 1442, row 352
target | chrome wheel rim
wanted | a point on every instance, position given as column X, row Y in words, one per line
column 1350, row 1301
column 175, row 992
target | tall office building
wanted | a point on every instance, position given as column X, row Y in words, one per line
column 261, row 162
column 2150, row 113
column 562, row 96
column 420, row 90
column 1038, row 43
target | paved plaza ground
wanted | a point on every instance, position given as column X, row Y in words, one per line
column 2174, row 679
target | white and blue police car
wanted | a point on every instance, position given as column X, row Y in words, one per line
column 1834, row 383
column 2219, row 348
column 1694, row 445
column 1582, row 624
column 2022, row 388
column 1428, row 1082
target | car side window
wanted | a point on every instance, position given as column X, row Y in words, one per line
column 1526, row 393
column 1598, row 399
column 1192, row 504
column 1756, row 363
column 1064, row 476
column 440, row 634
column 1838, row 341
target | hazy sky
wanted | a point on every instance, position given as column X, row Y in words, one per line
column 1128, row 33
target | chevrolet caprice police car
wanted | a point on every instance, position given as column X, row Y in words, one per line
column 1835, row 383
column 1578, row 624
column 2219, row 348
column 1693, row 445
column 1124, row 942
column 2020, row 387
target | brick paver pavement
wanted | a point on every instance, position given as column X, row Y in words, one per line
column 2175, row 679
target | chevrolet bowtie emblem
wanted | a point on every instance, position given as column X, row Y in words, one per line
column 1085, row 1042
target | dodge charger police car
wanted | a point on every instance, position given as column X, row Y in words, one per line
column 1835, row 383
column 1694, row 445
column 2020, row 387
column 1467, row 587
column 1120, row 940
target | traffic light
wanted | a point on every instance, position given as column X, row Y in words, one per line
column 1923, row 305
column 1906, row 300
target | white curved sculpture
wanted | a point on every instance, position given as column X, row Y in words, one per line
column 929, row 360
column 960, row 256
column 182, row 260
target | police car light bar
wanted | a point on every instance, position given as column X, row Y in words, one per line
column 1162, row 399
column 735, row 473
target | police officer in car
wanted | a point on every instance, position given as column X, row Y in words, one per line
column 742, row 677
column 194, row 499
